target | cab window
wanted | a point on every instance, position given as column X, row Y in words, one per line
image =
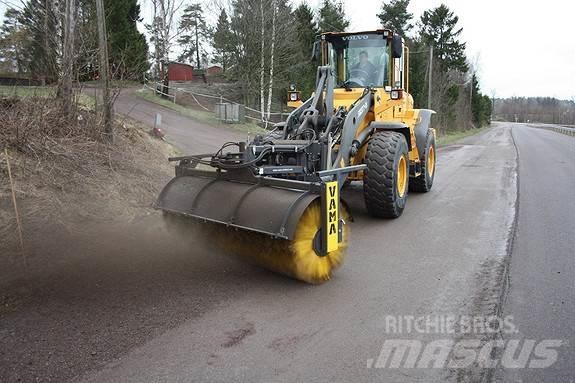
column 360, row 60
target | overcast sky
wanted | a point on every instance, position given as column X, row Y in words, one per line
column 520, row 47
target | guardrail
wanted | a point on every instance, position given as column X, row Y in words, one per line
column 559, row 129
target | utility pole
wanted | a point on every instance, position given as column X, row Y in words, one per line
column 430, row 77
column 471, row 91
column 492, row 104
column 104, row 78
column 471, row 99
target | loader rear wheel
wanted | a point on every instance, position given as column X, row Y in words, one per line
column 386, row 179
column 423, row 182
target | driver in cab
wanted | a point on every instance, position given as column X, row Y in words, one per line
column 364, row 69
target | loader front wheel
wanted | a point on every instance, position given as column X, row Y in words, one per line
column 386, row 178
column 423, row 182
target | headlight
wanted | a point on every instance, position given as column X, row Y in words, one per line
column 395, row 94
column 293, row 96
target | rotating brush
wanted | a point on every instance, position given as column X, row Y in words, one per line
column 295, row 258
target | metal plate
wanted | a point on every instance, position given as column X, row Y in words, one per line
column 265, row 209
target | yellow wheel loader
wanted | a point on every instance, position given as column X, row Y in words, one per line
column 277, row 196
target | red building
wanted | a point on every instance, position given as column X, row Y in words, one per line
column 215, row 70
column 180, row 72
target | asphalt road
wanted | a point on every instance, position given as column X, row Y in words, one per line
column 190, row 136
column 138, row 304
column 541, row 297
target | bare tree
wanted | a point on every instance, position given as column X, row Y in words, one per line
column 272, row 55
column 104, row 76
column 262, row 61
column 263, row 50
column 68, row 48
column 164, row 32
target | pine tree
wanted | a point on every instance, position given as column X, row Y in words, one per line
column 195, row 34
column 128, row 50
column 332, row 17
column 439, row 28
column 44, row 38
column 394, row 15
column 418, row 67
column 480, row 104
column 12, row 39
column 223, row 41
column 304, row 71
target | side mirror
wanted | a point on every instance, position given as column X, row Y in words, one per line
column 396, row 47
column 315, row 51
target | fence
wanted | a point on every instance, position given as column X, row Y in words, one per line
column 208, row 102
column 559, row 129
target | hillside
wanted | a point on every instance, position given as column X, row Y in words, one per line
column 68, row 178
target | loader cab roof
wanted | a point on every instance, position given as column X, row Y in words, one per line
column 383, row 32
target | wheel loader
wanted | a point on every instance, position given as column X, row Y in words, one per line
column 277, row 196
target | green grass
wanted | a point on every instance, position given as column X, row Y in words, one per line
column 42, row 91
column 199, row 115
column 453, row 137
column 27, row 91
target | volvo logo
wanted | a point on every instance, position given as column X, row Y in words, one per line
column 356, row 37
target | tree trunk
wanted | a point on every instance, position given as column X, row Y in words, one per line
column 64, row 92
column 197, row 46
column 163, row 48
column 272, row 51
column 46, row 44
column 104, row 76
column 262, row 62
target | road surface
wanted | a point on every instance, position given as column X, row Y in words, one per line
column 541, row 297
column 138, row 304
column 190, row 136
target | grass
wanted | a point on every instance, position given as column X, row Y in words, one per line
column 42, row 91
column 453, row 137
column 27, row 91
column 199, row 115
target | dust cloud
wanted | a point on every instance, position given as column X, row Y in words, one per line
column 89, row 296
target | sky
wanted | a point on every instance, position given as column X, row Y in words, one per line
column 519, row 47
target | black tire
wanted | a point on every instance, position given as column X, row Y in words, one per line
column 380, row 182
column 424, row 182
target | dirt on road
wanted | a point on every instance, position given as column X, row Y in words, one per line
column 99, row 271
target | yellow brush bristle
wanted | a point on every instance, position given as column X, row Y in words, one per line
column 309, row 266
column 295, row 258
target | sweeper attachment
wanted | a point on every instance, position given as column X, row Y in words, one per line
column 275, row 199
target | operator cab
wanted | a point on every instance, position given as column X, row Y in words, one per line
column 364, row 59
